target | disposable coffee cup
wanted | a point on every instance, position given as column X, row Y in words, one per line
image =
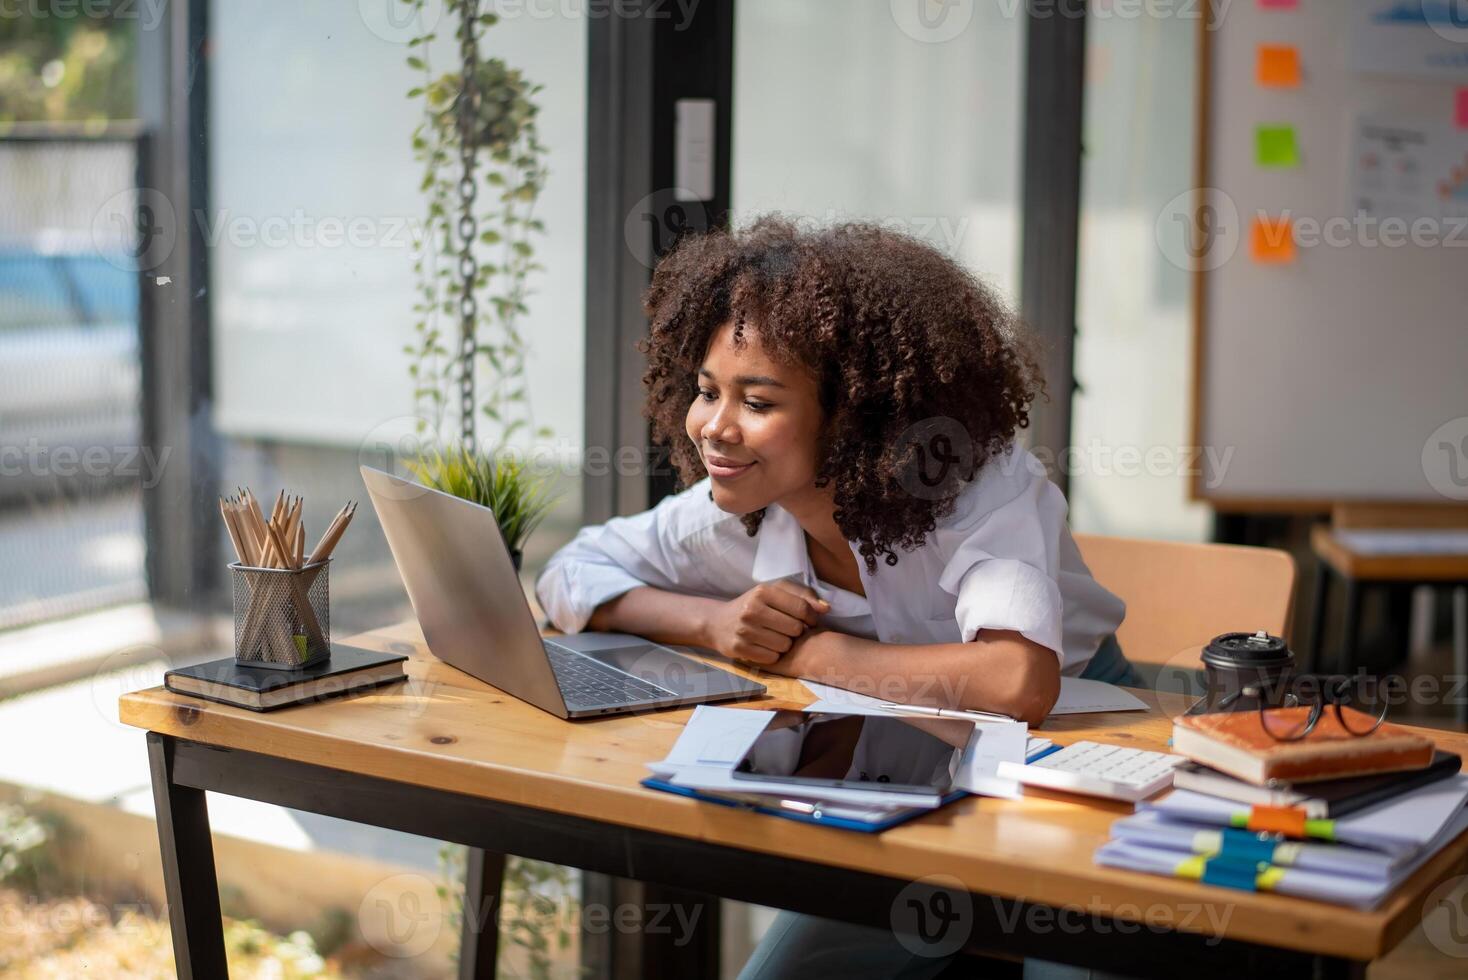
column 1235, row 661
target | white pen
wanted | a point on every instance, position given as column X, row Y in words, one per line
column 897, row 707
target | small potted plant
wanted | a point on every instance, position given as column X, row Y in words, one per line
column 519, row 498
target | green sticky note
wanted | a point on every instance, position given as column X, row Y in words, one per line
column 1275, row 146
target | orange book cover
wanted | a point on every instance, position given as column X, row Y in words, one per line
column 1237, row 743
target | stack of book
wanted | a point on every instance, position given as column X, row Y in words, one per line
column 1333, row 817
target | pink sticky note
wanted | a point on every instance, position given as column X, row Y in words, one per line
column 1460, row 113
column 1279, row 4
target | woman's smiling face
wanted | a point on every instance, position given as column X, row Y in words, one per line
column 756, row 423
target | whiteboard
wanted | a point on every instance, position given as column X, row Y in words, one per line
column 1343, row 374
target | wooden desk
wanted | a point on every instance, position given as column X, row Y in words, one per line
column 454, row 759
column 1361, row 571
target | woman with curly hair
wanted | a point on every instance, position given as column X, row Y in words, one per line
column 842, row 405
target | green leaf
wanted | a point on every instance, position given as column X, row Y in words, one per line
column 416, row 62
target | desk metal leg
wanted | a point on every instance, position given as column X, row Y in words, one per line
column 674, row 932
column 1317, row 617
column 479, row 938
column 188, row 869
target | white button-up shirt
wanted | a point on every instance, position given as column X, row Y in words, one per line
column 1004, row 559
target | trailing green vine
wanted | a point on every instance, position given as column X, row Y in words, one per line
column 512, row 174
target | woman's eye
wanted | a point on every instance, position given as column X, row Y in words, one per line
column 707, row 395
column 758, row 406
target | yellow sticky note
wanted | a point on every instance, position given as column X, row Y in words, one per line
column 1272, row 240
column 1278, row 65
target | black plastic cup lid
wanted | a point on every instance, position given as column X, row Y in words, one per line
column 1247, row 649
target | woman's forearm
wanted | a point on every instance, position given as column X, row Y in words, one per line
column 665, row 617
column 1000, row 671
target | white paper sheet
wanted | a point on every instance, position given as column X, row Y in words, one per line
column 990, row 745
column 716, row 737
column 1077, row 696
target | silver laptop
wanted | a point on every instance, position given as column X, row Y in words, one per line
column 469, row 602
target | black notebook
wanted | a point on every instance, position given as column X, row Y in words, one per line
column 1330, row 798
column 346, row 671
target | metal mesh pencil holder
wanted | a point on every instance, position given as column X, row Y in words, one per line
column 282, row 616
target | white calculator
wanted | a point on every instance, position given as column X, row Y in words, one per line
column 1096, row 769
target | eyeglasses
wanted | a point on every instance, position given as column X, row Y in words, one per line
column 1358, row 704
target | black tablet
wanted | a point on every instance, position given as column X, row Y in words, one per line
column 872, row 752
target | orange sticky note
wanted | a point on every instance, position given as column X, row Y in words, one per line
column 1286, row 820
column 1460, row 108
column 1272, row 240
column 1278, row 65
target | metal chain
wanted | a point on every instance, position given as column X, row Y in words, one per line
column 468, row 228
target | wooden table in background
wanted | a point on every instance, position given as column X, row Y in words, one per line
column 451, row 758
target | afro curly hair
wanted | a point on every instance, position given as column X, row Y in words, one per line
column 914, row 359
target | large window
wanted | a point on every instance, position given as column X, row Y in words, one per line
column 859, row 112
column 317, row 215
column 1130, row 418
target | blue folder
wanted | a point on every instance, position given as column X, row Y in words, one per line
column 889, row 818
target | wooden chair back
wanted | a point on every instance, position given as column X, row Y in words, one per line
column 1180, row 595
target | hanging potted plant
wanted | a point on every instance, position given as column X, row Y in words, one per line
column 484, row 169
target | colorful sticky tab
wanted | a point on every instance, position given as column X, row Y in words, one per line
column 1279, row 4
column 1278, row 65
column 1460, row 110
column 1230, row 874
column 1287, row 820
column 1271, row 241
column 1275, row 146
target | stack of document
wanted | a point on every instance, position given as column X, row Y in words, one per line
column 1353, row 860
column 702, row 762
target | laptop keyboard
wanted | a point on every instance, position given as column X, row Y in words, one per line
column 589, row 682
